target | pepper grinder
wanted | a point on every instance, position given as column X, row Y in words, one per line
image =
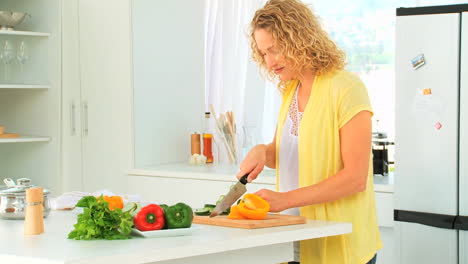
column 195, row 143
column 34, row 220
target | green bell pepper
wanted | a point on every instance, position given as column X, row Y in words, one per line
column 164, row 207
column 179, row 215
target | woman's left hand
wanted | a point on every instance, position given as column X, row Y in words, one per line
column 277, row 200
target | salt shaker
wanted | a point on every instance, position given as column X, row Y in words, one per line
column 34, row 220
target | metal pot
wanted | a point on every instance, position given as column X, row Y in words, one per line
column 13, row 199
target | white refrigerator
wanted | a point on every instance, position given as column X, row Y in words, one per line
column 431, row 142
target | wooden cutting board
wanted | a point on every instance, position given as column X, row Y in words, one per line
column 270, row 221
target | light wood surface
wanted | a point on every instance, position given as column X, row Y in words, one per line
column 9, row 135
column 34, row 220
column 271, row 220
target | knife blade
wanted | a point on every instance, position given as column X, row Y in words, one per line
column 235, row 193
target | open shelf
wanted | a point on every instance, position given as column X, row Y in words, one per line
column 24, row 86
column 23, row 33
column 24, row 139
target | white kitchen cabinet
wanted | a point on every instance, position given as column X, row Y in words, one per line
column 194, row 192
column 384, row 204
column 73, row 100
column 200, row 184
column 387, row 254
column 97, row 94
column 30, row 99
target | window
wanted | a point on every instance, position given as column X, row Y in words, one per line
column 365, row 30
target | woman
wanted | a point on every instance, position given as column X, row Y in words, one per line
column 322, row 145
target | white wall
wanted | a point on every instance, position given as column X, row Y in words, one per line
column 168, row 77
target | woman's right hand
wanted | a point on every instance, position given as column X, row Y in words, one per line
column 253, row 162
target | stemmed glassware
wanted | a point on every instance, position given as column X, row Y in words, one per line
column 22, row 55
column 7, row 56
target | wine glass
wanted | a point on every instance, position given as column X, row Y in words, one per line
column 7, row 57
column 22, row 55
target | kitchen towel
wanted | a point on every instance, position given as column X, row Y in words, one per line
column 68, row 200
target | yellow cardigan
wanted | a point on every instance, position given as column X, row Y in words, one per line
column 335, row 98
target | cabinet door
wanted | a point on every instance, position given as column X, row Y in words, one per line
column 71, row 99
column 387, row 254
column 105, row 77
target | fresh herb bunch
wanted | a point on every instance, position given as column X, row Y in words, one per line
column 98, row 222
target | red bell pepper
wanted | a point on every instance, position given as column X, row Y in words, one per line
column 150, row 217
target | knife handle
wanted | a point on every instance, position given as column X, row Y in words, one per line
column 243, row 179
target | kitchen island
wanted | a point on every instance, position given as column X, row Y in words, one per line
column 206, row 244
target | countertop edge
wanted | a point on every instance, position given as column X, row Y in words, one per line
column 224, row 177
column 383, row 188
column 382, row 184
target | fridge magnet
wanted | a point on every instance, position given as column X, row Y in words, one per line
column 427, row 91
column 418, row 61
column 438, row 126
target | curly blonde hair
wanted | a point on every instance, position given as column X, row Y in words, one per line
column 299, row 38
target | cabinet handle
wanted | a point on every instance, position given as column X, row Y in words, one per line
column 85, row 118
column 72, row 119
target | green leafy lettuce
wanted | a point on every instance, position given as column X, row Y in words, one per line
column 99, row 222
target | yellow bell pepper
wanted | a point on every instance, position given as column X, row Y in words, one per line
column 253, row 206
column 114, row 202
column 234, row 213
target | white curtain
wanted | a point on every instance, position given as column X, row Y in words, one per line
column 227, row 54
column 227, row 60
column 271, row 105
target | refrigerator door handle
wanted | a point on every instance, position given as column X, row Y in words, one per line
column 429, row 219
column 461, row 222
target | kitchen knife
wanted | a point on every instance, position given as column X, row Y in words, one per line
column 235, row 193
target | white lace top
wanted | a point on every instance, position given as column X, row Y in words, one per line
column 288, row 156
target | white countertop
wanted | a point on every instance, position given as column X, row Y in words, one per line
column 224, row 172
column 54, row 247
